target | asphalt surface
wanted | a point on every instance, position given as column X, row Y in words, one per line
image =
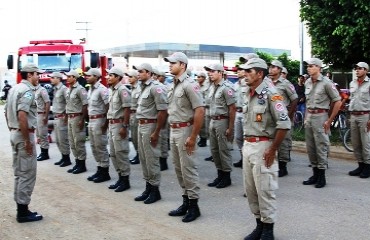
column 338, row 211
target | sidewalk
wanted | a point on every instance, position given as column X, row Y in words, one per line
column 336, row 152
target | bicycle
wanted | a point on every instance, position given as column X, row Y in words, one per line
column 347, row 140
column 298, row 120
column 341, row 122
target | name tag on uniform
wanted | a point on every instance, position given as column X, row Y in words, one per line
column 258, row 117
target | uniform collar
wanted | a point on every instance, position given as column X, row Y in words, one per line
column 261, row 87
column 220, row 83
column 117, row 85
column 75, row 85
column 96, row 85
column 182, row 77
column 59, row 85
column 28, row 84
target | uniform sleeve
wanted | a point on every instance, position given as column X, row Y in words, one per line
column 104, row 93
column 25, row 101
column 229, row 95
column 279, row 113
column 83, row 95
column 332, row 92
column 160, row 97
column 45, row 95
column 194, row 95
column 291, row 92
column 125, row 96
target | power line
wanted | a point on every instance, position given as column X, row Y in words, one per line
column 86, row 29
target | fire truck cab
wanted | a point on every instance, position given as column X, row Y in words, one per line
column 58, row 55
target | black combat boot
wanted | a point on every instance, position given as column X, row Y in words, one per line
column 145, row 194
column 124, row 185
column 257, row 232
column 239, row 164
column 217, row 179
column 313, row 179
column 193, row 212
column 135, row 160
column 365, row 171
column 210, row 159
column 81, row 167
column 114, row 186
column 154, row 195
column 202, row 142
column 104, row 175
column 267, row 231
column 66, row 161
column 25, row 215
column 358, row 170
column 74, row 167
column 44, row 155
column 60, row 161
column 321, row 179
column 163, row 163
column 225, row 181
column 95, row 175
column 181, row 211
column 282, row 169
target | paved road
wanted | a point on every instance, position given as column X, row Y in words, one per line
column 74, row 208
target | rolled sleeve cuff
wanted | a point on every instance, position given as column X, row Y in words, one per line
column 283, row 125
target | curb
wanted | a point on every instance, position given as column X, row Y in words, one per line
column 336, row 152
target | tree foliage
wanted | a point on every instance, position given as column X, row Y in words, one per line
column 339, row 30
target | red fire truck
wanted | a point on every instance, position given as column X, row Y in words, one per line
column 58, row 55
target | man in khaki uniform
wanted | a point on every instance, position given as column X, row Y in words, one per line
column 60, row 118
column 359, row 107
column 20, row 113
column 165, row 131
column 222, row 113
column 151, row 114
column 186, row 115
column 97, row 97
column 290, row 99
column 43, row 107
column 265, row 124
column 321, row 94
column 135, row 93
column 76, row 110
column 204, row 89
column 119, row 119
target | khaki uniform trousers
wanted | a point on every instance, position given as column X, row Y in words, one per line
column 165, row 132
column 77, row 138
column 119, row 150
column 24, row 166
column 238, row 126
column 220, row 146
column 186, row 167
column 285, row 148
column 61, row 135
column 260, row 182
column 149, row 155
column 360, row 137
column 99, row 142
column 42, row 131
column 317, row 141
column 133, row 128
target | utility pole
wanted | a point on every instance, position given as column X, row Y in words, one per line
column 301, row 43
column 86, row 29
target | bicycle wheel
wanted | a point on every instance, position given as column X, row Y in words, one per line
column 347, row 140
column 298, row 121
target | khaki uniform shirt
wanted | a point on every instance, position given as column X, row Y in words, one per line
column 97, row 97
column 153, row 98
column 60, row 98
column 41, row 97
column 119, row 98
column 21, row 98
column 184, row 97
column 240, row 89
column 135, row 93
column 221, row 95
column 286, row 90
column 264, row 112
column 320, row 94
column 360, row 95
column 76, row 99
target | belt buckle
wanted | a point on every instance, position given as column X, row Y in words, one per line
column 257, row 139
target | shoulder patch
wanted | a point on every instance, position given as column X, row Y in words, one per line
column 124, row 94
column 196, row 88
column 230, row 92
column 279, row 107
column 28, row 95
column 277, row 98
column 159, row 90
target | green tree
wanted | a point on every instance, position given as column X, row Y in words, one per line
column 339, row 30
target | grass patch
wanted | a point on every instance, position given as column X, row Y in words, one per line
column 334, row 137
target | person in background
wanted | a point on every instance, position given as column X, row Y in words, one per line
column 284, row 73
column 6, row 89
column 204, row 89
column 300, row 89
